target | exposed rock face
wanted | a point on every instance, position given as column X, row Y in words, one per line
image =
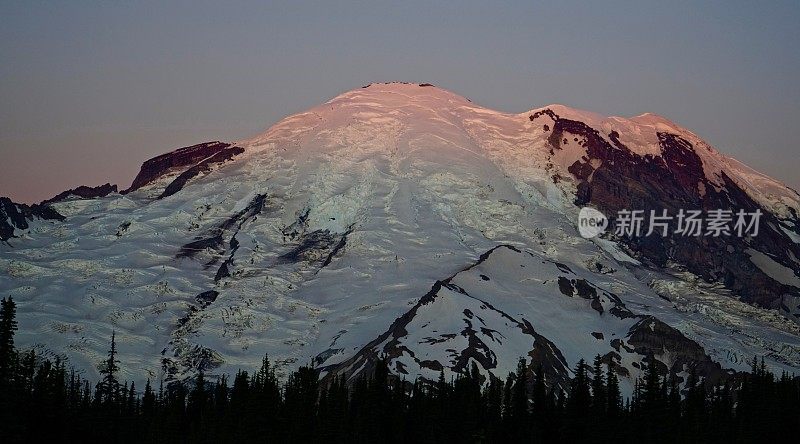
column 15, row 216
column 478, row 332
column 84, row 192
column 213, row 243
column 167, row 163
column 612, row 177
column 203, row 166
column 650, row 336
column 471, row 329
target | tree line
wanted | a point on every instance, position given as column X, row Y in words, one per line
column 44, row 401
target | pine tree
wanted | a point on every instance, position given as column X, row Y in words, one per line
column 333, row 411
column 541, row 410
column 300, row 403
column 27, row 371
column 613, row 395
column 652, row 401
column 507, row 397
column 578, row 404
column 695, row 405
column 493, row 402
column 8, row 326
column 439, row 405
column 580, row 395
column 86, row 398
column 651, row 396
column 130, row 402
column 539, row 394
column 109, row 386
column 221, row 394
column 148, row 400
column 198, row 397
column 519, row 396
column 599, row 399
column 674, row 401
column 52, row 405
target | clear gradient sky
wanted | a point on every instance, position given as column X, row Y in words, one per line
column 89, row 90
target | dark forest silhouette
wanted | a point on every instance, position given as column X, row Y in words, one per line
column 42, row 401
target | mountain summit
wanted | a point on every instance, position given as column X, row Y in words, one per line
column 404, row 221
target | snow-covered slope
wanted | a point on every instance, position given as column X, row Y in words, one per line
column 394, row 219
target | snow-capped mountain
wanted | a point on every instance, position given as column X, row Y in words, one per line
column 402, row 220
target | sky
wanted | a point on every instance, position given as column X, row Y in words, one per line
column 89, row 90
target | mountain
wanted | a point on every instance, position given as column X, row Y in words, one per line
column 405, row 221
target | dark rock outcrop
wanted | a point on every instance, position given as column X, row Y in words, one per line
column 310, row 248
column 214, row 240
column 621, row 179
column 15, row 216
column 206, row 298
column 84, row 192
column 545, row 112
column 651, row 336
column 203, row 167
column 181, row 158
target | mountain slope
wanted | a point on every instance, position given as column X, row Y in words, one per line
column 341, row 225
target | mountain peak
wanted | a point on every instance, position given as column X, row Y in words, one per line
column 406, row 110
column 656, row 120
column 400, row 92
column 347, row 224
column 375, row 104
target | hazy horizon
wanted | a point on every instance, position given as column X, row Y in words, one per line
column 90, row 90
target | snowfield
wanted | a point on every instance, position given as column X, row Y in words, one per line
column 338, row 221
